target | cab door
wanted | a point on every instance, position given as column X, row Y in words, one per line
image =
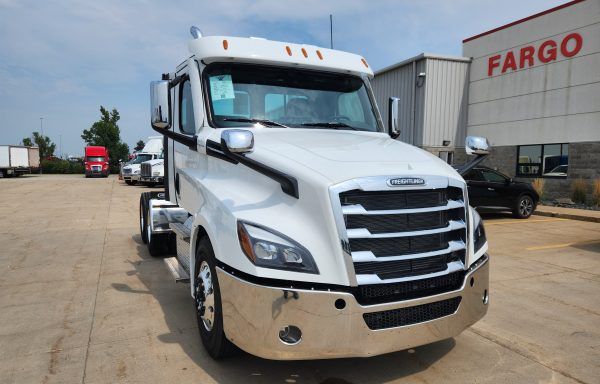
column 185, row 162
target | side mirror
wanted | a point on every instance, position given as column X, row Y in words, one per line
column 475, row 145
column 238, row 140
column 159, row 104
column 393, row 117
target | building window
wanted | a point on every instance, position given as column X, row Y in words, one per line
column 543, row 160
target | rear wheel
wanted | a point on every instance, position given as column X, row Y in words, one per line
column 129, row 182
column 207, row 302
column 524, row 207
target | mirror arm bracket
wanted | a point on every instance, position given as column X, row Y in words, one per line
column 463, row 169
column 190, row 141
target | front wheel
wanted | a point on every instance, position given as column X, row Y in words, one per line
column 524, row 207
column 207, row 302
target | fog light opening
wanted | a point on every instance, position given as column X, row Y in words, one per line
column 485, row 297
column 290, row 335
column 340, row 304
column 472, row 282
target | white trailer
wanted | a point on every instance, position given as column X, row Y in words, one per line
column 16, row 160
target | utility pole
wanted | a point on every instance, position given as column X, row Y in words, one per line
column 331, row 30
column 42, row 126
column 60, row 145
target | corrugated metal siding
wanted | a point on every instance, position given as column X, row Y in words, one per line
column 445, row 113
column 439, row 105
column 399, row 83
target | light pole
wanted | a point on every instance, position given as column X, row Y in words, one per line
column 42, row 126
column 60, row 145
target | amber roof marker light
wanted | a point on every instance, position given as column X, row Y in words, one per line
column 225, row 44
column 365, row 63
column 319, row 55
column 304, row 52
column 288, row 50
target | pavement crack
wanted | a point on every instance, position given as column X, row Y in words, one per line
column 521, row 352
column 87, row 349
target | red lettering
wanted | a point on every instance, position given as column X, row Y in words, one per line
column 547, row 55
column 509, row 62
column 564, row 49
column 493, row 62
column 526, row 54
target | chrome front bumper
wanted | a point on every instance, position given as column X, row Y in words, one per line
column 253, row 316
column 131, row 177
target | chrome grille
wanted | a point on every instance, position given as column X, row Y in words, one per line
column 411, row 315
column 146, row 170
column 397, row 236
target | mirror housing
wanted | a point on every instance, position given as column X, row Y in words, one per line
column 159, row 105
column 475, row 145
column 393, row 117
column 238, row 140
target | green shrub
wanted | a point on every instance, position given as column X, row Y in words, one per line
column 578, row 190
column 60, row 166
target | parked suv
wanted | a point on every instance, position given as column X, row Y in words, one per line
column 491, row 189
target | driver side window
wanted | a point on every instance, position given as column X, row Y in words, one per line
column 493, row 177
column 186, row 109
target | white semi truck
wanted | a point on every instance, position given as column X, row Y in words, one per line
column 152, row 172
column 305, row 230
column 131, row 171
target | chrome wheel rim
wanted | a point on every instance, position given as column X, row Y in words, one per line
column 142, row 224
column 205, row 296
column 148, row 229
column 526, row 206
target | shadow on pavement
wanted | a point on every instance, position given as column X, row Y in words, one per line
column 178, row 310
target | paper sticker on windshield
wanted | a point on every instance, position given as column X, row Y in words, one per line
column 221, row 87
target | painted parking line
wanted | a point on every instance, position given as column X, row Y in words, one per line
column 563, row 245
column 520, row 221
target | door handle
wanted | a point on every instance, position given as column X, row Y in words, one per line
column 491, row 189
column 177, row 183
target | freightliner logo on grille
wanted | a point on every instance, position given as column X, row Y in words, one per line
column 401, row 181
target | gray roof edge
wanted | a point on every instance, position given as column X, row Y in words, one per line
column 421, row 56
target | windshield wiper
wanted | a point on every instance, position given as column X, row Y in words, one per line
column 268, row 123
column 331, row 124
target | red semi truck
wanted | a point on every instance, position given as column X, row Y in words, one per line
column 96, row 161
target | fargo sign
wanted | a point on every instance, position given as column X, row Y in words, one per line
column 527, row 56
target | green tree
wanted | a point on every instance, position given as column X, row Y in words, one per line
column 106, row 133
column 46, row 146
column 139, row 145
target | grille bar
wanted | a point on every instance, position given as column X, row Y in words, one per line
column 369, row 294
column 358, row 209
column 363, row 233
column 403, row 268
column 453, row 246
column 411, row 315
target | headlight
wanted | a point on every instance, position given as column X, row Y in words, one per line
column 479, row 238
column 156, row 173
column 270, row 249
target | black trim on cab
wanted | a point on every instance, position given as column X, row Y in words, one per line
column 190, row 141
column 289, row 184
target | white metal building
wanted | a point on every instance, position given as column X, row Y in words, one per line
column 533, row 91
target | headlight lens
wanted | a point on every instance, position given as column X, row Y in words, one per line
column 268, row 248
column 479, row 238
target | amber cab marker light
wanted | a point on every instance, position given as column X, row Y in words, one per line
column 319, row 54
column 225, row 44
column 245, row 242
column 289, row 50
column 304, row 52
column 365, row 62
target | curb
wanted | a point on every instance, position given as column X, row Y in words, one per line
column 569, row 216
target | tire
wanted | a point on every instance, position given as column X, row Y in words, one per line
column 158, row 244
column 150, row 185
column 143, row 215
column 129, row 182
column 524, row 207
column 210, row 323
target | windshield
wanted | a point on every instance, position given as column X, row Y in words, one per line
column 242, row 94
column 140, row 159
column 95, row 158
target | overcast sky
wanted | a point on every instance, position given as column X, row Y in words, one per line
column 62, row 59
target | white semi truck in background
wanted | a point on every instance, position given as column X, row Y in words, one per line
column 16, row 160
column 131, row 171
column 304, row 229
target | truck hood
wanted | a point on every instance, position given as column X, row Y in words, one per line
column 154, row 162
column 343, row 155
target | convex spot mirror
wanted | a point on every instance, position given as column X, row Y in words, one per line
column 475, row 145
column 393, row 130
column 238, row 140
column 159, row 104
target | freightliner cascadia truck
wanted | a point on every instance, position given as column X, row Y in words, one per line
column 304, row 229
